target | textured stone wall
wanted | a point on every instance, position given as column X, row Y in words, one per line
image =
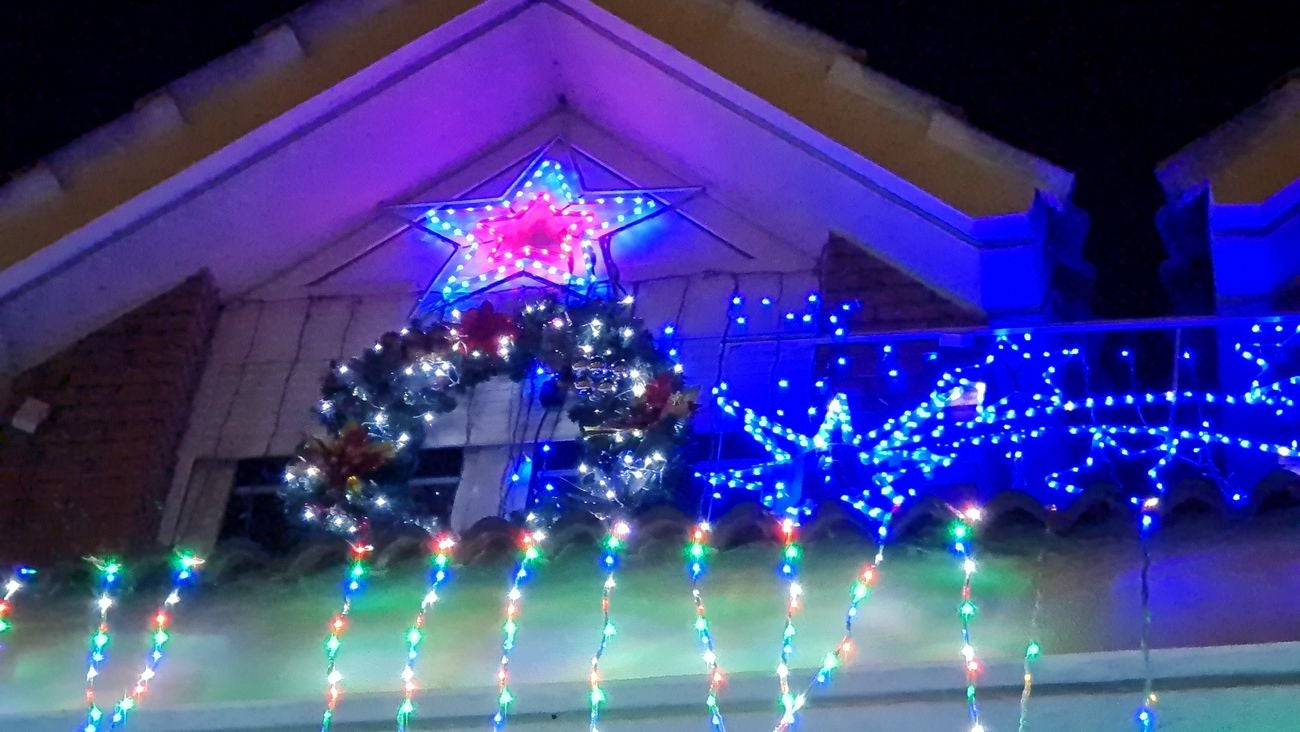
column 94, row 474
column 891, row 299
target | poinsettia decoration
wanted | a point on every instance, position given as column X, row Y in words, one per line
column 483, row 330
column 350, row 454
column 662, row 399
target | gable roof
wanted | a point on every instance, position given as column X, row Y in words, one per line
column 1248, row 159
column 346, row 106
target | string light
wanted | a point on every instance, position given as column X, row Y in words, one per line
column 962, row 538
column 110, row 572
column 352, row 584
column 184, row 574
column 530, row 551
column 438, row 574
column 1032, row 652
column 859, row 592
column 696, row 557
column 1146, row 716
column 790, row 554
column 612, row 546
column 11, row 588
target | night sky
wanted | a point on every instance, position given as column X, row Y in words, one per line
column 1104, row 88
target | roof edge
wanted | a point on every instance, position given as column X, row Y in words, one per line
column 1192, row 166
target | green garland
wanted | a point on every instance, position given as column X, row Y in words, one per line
column 624, row 393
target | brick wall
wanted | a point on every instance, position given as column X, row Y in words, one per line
column 892, row 300
column 94, row 475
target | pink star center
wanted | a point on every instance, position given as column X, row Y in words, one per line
column 541, row 231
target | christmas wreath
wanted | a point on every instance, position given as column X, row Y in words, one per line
column 622, row 390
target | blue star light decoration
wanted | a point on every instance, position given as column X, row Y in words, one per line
column 788, row 479
column 545, row 229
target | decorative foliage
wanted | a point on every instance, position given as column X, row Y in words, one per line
column 624, row 393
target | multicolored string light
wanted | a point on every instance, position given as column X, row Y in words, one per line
column 110, row 572
column 186, row 570
column 441, row 566
column 696, row 556
column 11, row 587
column 790, row 554
column 352, row 584
column 530, row 551
column 962, row 538
column 612, row 546
column 859, row 592
column 1033, row 650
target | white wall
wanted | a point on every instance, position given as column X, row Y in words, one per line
column 275, row 340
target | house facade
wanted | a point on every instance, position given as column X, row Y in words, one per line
column 177, row 286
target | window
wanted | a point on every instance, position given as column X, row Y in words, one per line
column 255, row 512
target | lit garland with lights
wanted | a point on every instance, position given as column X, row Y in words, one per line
column 625, row 394
column 611, row 547
column 696, row 560
column 184, row 574
column 110, row 573
column 352, row 584
column 530, row 552
column 441, row 566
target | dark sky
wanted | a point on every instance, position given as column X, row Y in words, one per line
column 1103, row 88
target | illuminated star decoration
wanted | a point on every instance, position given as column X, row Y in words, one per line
column 545, row 229
column 786, row 472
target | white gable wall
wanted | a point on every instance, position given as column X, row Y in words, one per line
column 321, row 170
column 275, row 341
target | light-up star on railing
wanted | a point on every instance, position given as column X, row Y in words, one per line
column 544, row 229
column 784, row 476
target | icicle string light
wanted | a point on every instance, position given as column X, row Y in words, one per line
column 441, row 565
column 1146, row 716
column 110, row 573
column 611, row 548
column 183, row 575
column 962, row 538
column 352, row 584
column 11, row 588
column 1033, row 650
column 859, row 592
column 530, row 552
column 696, row 556
column 790, row 554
